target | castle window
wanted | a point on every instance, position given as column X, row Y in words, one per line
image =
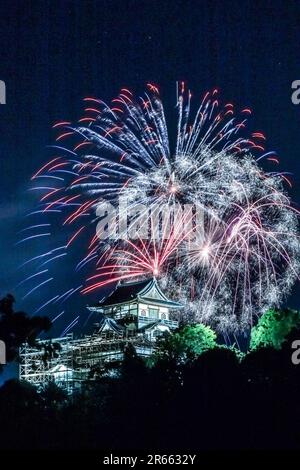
column 157, row 333
column 133, row 309
column 153, row 312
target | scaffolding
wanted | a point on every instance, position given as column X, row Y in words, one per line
column 135, row 313
column 74, row 362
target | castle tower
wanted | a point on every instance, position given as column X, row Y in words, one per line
column 139, row 307
column 135, row 312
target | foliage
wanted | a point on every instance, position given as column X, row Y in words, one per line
column 273, row 327
column 18, row 327
column 196, row 395
column 52, row 395
column 240, row 355
column 186, row 344
column 218, row 403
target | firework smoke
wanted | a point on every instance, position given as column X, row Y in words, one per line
column 228, row 266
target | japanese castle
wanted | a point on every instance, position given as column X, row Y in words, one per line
column 135, row 312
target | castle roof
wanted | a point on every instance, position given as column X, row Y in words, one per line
column 146, row 291
column 109, row 324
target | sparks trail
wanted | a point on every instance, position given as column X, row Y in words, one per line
column 139, row 258
column 230, row 249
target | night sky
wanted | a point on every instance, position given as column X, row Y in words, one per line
column 54, row 53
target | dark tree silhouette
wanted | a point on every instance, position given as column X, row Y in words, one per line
column 199, row 396
column 273, row 327
column 18, row 327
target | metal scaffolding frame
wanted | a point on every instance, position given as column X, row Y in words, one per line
column 78, row 360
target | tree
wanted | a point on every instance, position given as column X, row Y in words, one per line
column 17, row 327
column 186, row 344
column 53, row 396
column 273, row 328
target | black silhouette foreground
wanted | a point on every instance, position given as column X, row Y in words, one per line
column 193, row 394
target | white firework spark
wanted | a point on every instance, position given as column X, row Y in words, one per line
column 243, row 255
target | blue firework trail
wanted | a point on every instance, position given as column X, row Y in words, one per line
column 250, row 248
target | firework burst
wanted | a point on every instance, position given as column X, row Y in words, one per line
column 218, row 230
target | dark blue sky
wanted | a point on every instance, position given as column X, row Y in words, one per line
column 54, row 53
